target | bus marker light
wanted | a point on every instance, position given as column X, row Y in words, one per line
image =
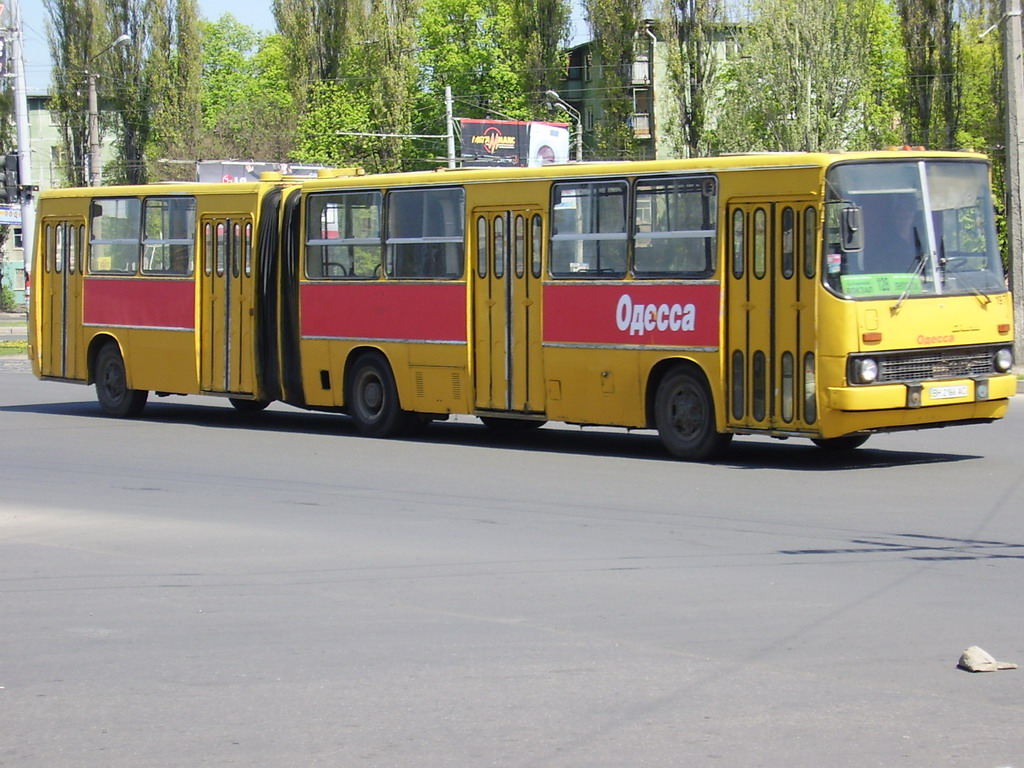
column 871, row 337
column 1003, row 328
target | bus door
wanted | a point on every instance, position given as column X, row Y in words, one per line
column 227, row 314
column 770, row 317
column 507, row 315
column 62, row 296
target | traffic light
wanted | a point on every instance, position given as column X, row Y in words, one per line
column 11, row 180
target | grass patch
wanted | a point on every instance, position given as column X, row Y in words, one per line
column 13, row 347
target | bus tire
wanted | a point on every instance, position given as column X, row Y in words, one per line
column 684, row 414
column 840, row 444
column 373, row 398
column 112, row 392
column 242, row 405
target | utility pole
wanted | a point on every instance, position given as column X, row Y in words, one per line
column 28, row 203
column 450, row 125
column 1013, row 69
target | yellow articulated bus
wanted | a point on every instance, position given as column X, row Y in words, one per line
column 824, row 296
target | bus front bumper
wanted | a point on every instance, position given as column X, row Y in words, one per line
column 928, row 394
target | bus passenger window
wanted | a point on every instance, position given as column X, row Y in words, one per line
column 588, row 229
column 425, row 234
column 343, row 235
column 676, row 222
column 169, row 230
column 115, row 230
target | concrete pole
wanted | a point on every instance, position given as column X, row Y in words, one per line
column 95, row 168
column 450, row 125
column 28, row 203
column 1013, row 68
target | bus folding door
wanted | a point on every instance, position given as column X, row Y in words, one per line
column 507, row 337
column 61, row 297
column 227, row 305
column 770, row 314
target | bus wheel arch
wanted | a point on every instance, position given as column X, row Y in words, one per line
column 371, row 395
column 108, row 372
column 681, row 406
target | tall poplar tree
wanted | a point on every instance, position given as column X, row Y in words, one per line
column 696, row 33
column 615, row 25
column 174, row 72
column 539, row 32
column 72, row 29
column 802, row 78
column 932, row 41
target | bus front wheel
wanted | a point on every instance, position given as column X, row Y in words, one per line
column 373, row 398
column 112, row 391
column 684, row 414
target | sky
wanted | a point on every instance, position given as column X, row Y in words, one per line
column 257, row 14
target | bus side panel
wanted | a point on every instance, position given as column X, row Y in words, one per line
column 420, row 326
column 621, row 319
column 159, row 318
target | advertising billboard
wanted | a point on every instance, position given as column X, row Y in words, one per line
column 513, row 143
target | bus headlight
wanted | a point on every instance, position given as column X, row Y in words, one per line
column 1003, row 360
column 865, row 371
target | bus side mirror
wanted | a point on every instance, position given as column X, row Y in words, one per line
column 852, row 228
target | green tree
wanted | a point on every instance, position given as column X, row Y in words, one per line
column 539, row 30
column 696, row 35
column 932, row 41
column 175, row 80
column 465, row 45
column 801, row 81
column 129, row 91
column 373, row 93
column 246, row 113
column 615, row 25
column 71, row 29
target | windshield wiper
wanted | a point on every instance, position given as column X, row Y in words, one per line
column 918, row 271
column 968, row 283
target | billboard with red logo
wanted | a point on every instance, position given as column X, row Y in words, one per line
column 513, row 143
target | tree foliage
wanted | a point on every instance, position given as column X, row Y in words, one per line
column 539, row 30
column 71, row 31
column 615, row 25
column 932, row 42
column 802, row 79
column 696, row 35
column 175, row 81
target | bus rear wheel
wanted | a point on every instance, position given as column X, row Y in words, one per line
column 373, row 398
column 684, row 415
column 112, row 391
column 840, row 444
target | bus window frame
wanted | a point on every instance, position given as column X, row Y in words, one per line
column 433, row 249
column 376, row 198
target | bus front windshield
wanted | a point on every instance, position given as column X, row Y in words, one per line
column 911, row 228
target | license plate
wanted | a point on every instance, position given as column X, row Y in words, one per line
column 950, row 392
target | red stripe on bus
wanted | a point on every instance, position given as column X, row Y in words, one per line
column 140, row 302
column 405, row 311
column 642, row 314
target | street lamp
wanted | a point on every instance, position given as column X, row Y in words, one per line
column 94, row 113
column 555, row 100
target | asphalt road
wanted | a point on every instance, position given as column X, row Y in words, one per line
column 199, row 588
